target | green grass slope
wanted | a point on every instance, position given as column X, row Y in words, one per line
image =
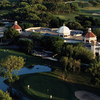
column 42, row 85
column 30, row 60
column 87, row 11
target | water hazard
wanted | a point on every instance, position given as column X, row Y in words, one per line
column 25, row 70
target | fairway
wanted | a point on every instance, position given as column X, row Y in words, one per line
column 42, row 85
column 83, row 11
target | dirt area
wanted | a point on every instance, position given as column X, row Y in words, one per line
column 83, row 95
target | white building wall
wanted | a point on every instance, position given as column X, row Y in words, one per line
column 91, row 39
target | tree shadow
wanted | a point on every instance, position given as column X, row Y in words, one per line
column 42, row 85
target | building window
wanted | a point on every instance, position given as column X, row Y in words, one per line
column 97, row 54
column 61, row 35
column 65, row 35
column 87, row 41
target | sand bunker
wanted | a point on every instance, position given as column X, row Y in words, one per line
column 83, row 95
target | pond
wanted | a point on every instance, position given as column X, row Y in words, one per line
column 25, row 70
column 72, row 41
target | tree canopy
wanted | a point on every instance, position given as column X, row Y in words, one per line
column 26, row 45
column 5, row 95
column 5, row 4
column 12, row 35
column 95, row 72
column 97, row 33
column 9, row 64
column 52, row 43
column 76, row 52
column 64, row 62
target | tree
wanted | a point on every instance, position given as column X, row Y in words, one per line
column 91, row 20
column 88, row 23
column 5, row 95
column 68, row 8
column 74, row 65
column 54, row 22
column 35, row 1
column 81, row 4
column 23, row 4
column 76, row 52
column 75, row 25
column 32, row 17
column 46, row 17
column 41, row 7
column 25, row 25
column 74, row 7
column 62, row 6
column 4, row 4
column 96, row 22
column 95, row 3
column 56, row 7
column 25, row 44
column 64, row 62
column 36, row 37
column 89, row 4
column 58, row 46
column 95, row 73
column 9, row 64
column 53, row 43
column 97, row 33
column 12, row 35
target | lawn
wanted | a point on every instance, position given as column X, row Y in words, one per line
column 40, row 82
column 30, row 60
column 42, row 85
column 83, row 11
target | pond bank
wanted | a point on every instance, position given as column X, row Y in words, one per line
column 35, row 69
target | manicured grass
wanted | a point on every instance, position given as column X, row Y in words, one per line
column 40, row 83
column 59, row 89
column 87, row 11
column 30, row 60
